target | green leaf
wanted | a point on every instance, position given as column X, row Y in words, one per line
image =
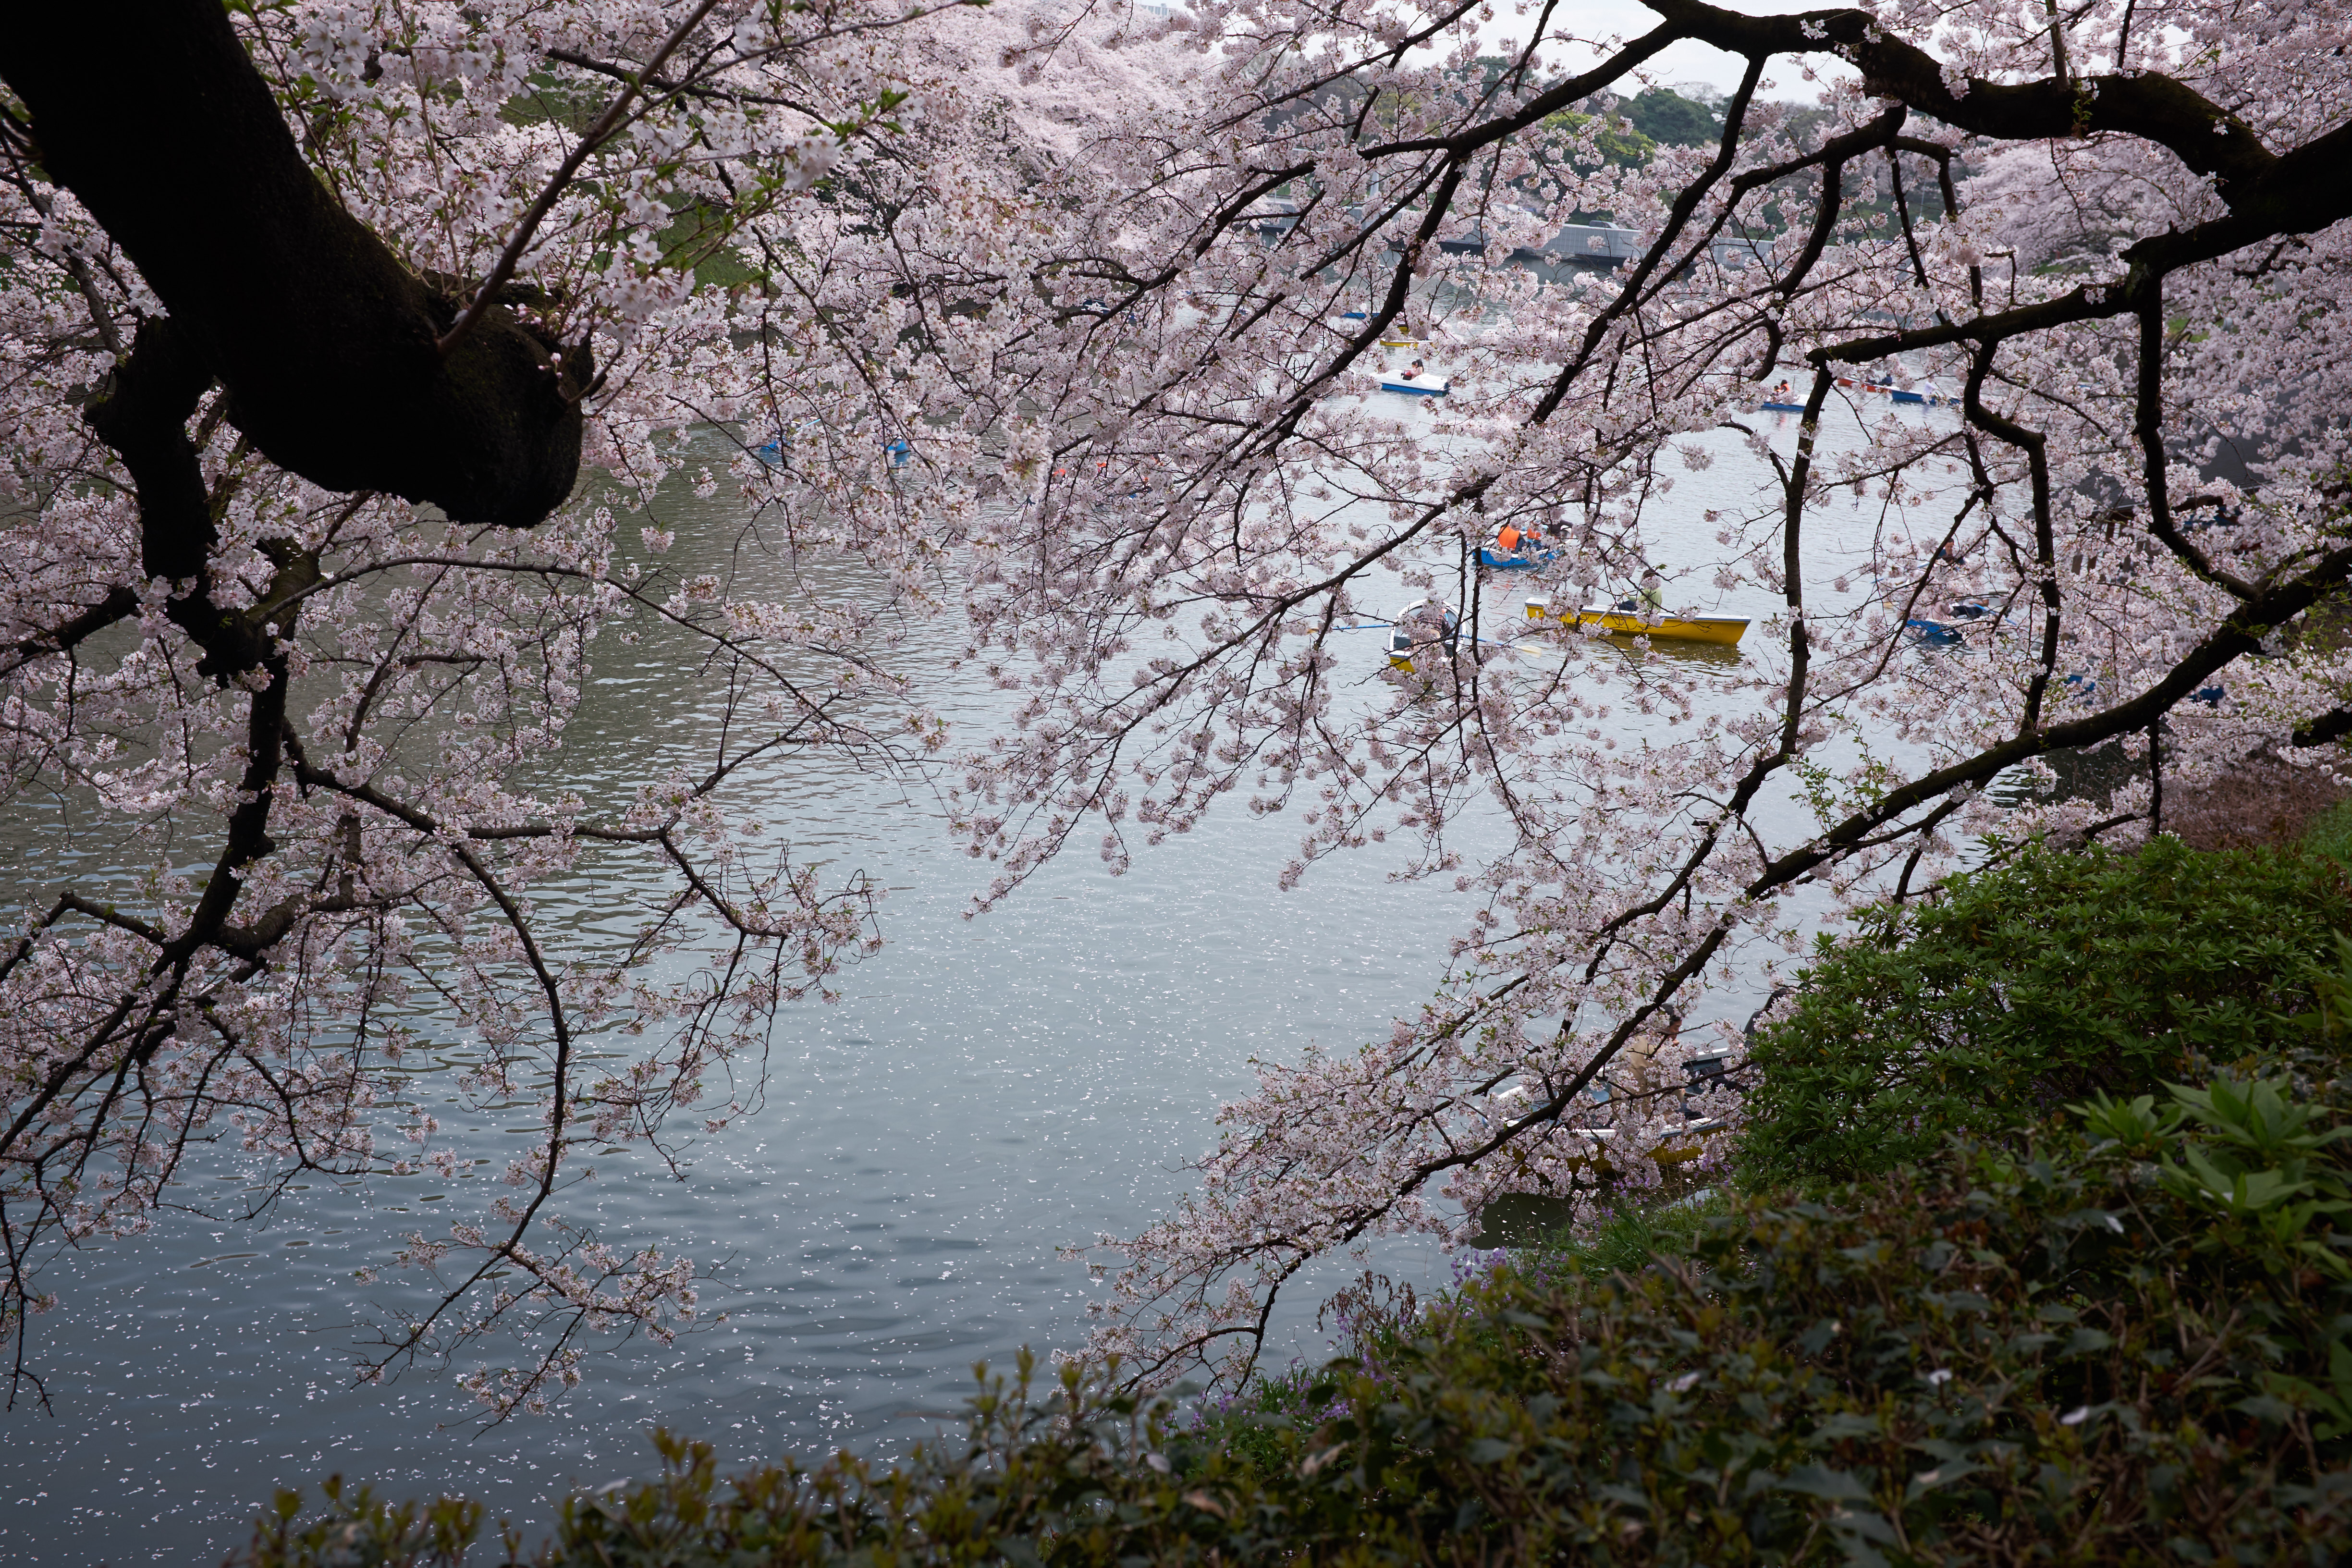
column 1816, row 1480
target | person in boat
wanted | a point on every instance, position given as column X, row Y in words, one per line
column 1513, row 540
column 1783, row 392
column 1427, row 623
column 1648, row 597
column 1410, row 374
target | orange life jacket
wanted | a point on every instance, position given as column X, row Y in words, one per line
column 1509, row 539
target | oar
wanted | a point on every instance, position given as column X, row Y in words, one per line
column 1458, row 637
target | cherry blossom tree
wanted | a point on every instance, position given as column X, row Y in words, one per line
column 2137, row 258
column 310, row 581
column 275, row 279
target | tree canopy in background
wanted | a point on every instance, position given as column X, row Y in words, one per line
column 1669, row 119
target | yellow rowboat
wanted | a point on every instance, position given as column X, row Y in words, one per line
column 1722, row 630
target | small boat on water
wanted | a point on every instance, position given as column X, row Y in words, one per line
column 777, row 450
column 1423, row 384
column 1781, row 408
column 1423, row 623
column 774, row 450
column 1895, row 393
column 1930, row 398
column 1946, row 633
column 1520, row 559
column 1724, row 631
column 1398, row 336
column 1516, row 548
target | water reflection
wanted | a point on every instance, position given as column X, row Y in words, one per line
column 985, row 1094
column 1690, row 656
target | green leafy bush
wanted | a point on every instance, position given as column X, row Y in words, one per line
column 2330, row 834
column 2021, row 988
column 1373, row 1320
column 2128, row 1344
column 1628, row 1239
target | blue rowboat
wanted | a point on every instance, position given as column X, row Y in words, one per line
column 1419, row 386
column 1495, row 559
column 774, row 451
column 1896, row 395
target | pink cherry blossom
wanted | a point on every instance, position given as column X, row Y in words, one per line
column 1048, row 309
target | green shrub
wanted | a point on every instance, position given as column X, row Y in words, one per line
column 1248, row 1427
column 2330, row 834
column 2024, row 987
column 1626, row 1241
column 2128, row 1345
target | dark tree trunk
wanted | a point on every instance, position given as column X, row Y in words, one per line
column 150, row 111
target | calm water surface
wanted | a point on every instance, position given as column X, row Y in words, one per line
column 986, row 1093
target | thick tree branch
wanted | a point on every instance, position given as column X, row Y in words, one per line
column 2299, row 192
column 2324, row 729
column 151, row 113
column 119, row 603
column 142, row 411
column 2201, row 134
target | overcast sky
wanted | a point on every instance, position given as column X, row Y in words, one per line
column 1685, row 62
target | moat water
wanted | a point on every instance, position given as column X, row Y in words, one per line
column 986, row 1093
